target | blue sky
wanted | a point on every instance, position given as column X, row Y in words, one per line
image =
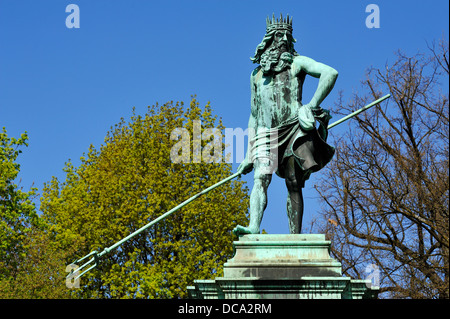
column 67, row 87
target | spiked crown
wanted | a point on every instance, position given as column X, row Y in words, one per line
column 279, row 24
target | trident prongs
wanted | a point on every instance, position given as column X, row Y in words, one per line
column 80, row 269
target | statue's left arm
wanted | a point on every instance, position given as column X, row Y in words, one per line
column 327, row 77
column 326, row 74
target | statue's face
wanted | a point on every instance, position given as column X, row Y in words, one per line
column 277, row 56
column 280, row 40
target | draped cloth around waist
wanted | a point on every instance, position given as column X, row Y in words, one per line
column 274, row 146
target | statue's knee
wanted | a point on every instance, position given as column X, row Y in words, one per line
column 291, row 182
column 262, row 180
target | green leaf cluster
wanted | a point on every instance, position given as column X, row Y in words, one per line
column 31, row 266
column 129, row 181
column 17, row 211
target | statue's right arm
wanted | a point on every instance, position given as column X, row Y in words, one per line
column 246, row 165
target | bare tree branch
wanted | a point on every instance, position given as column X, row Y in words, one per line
column 386, row 192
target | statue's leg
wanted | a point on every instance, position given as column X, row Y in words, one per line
column 295, row 198
column 258, row 199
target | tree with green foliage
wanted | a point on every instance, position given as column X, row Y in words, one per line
column 131, row 180
column 29, row 266
column 17, row 212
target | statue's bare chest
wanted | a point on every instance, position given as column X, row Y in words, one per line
column 276, row 97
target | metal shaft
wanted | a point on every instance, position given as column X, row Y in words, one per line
column 364, row 108
column 170, row 212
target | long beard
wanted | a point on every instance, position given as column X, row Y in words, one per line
column 275, row 60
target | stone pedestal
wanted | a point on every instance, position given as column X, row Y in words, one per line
column 282, row 266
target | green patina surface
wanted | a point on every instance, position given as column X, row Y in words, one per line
column 286, row 140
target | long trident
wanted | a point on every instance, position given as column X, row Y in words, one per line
column 93, row 262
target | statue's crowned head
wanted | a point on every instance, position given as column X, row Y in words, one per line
column 279, row 24
column 276, row 51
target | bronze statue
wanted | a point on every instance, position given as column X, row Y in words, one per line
column 285, row 139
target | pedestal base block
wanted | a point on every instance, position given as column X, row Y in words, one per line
column 282, row 266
